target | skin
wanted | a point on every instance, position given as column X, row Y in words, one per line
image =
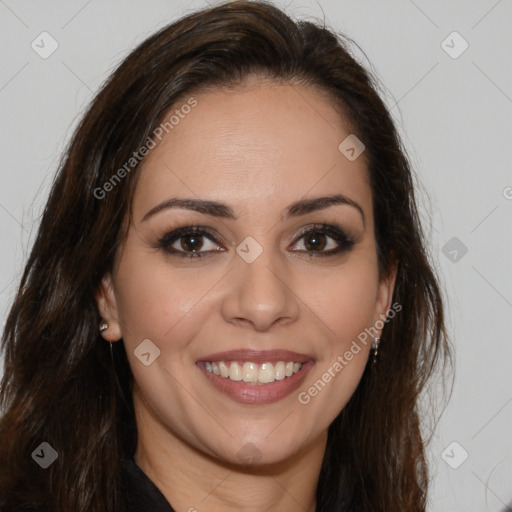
column 257, row 148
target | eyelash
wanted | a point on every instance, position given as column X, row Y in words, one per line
column 345, row 241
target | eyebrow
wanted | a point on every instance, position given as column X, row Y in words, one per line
column 223, row 211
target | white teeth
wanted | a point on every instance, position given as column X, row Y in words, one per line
column 224, row 370
column 280, row 370
column 235, row 372
column 267, row 373
column 250, row 372
column 254, row 373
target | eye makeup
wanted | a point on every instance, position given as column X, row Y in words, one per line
column 190, row 241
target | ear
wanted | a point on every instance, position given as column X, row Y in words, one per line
column 107, row 306
column 385, row 294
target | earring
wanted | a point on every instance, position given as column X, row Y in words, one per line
column 103, row 327
column 375, row 347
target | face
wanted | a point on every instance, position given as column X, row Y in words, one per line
column 260, row 269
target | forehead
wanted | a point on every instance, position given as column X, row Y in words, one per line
column 253, row 145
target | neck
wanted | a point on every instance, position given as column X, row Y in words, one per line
column 194, row 481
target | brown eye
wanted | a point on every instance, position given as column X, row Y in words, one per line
column 324, row 240
column 315, row 241
column 191, row 242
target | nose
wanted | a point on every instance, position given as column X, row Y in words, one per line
column 260, row 293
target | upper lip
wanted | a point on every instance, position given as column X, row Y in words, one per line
column 257, row 356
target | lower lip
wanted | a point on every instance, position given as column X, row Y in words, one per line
column 257, row 394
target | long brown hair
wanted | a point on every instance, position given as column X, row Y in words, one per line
column 61, row 385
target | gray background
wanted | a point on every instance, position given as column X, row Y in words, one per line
column 455, row 114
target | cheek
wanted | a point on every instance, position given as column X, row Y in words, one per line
column 347, row 306
column 148, row 306
column 151, row 299
column 157, row 305
column 164, row 304
column 344, row 300
column 345, row 303
column 151, row 295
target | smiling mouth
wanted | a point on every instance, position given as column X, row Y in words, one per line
column 250, row 390
column 256, row 377
column 253, row 373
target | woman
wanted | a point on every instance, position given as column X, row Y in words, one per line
column 229, row 304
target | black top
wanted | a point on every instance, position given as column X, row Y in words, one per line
column 141, row 494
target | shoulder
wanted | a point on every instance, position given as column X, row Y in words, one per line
column 140, row 493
